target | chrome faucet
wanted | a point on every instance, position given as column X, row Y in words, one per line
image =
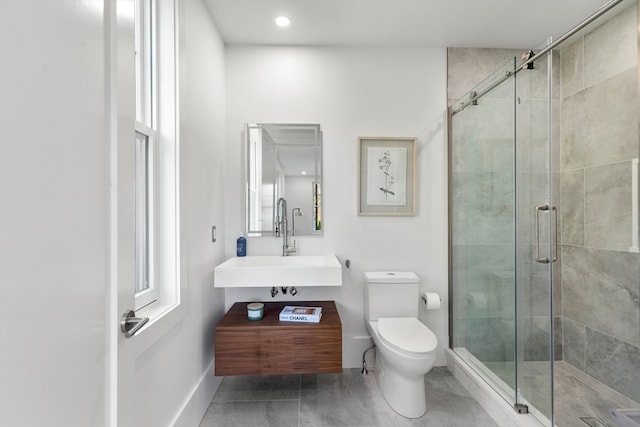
column 281, row 228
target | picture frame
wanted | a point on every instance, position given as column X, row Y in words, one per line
column 386, row 176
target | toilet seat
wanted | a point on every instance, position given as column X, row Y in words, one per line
column 407, row 334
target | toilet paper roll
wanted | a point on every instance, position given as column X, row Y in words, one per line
column 431, row 300
column 478, row 300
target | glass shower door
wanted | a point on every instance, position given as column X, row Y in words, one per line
column 502, row 225
column 535, row 238
column 483, row 230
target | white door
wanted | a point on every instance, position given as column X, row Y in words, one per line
column 54, row 231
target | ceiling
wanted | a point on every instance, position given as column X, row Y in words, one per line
column 416, row 23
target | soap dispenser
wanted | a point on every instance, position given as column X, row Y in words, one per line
column 241, row 245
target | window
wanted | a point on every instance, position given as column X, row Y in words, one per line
column 145, row 61
column 156, row 175
column 146, row 292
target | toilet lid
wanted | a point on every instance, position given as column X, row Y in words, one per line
column 407, row 333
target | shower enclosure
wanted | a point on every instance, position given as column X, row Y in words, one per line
column 544, row 262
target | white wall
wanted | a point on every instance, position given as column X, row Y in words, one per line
column 178, row 371
column 351, row 92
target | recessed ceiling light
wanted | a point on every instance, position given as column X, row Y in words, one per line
column 283, row 21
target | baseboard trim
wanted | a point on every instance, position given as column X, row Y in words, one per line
column 197, row 402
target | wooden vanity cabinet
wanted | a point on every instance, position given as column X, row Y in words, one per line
column 268, row 346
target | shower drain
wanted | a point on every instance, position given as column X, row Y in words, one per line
column 594, row 422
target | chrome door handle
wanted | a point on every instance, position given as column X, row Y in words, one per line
column 129, row 324
column 554, row 254
column 536, row 223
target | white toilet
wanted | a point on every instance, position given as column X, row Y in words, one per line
column 405, row 347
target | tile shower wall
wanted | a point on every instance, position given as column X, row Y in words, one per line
column 599, row 137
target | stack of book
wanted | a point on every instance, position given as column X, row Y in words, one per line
column 293, row 313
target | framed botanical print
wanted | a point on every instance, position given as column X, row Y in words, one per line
column 386, row 176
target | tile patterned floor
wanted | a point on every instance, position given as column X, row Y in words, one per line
column 332, row 400
column 580, row 396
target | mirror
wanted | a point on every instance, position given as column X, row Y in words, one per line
column 283, row 160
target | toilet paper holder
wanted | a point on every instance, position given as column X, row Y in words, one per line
column 431, row 300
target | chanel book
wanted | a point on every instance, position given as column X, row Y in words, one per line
column 293, row 313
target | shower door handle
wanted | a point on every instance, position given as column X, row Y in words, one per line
column 554, row 254
column 536, row 225
column 546, row 208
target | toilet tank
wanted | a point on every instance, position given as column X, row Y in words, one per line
column 391, row 294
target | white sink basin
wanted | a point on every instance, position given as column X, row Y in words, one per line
column 301, row 270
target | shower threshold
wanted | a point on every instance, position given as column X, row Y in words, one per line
column 502, row 389
column 580, row 400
